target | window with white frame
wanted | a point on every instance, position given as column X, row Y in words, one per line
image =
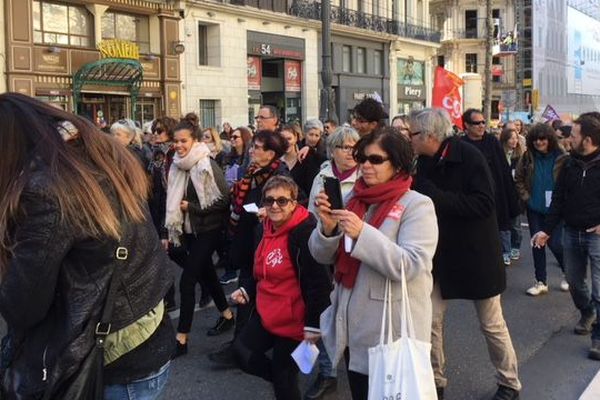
column 56, row 23
column 133, row 28
column 208, row 114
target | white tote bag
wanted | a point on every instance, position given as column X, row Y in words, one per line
column 400, row 370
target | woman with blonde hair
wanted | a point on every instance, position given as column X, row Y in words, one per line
column 81, row 263
column 211, row 138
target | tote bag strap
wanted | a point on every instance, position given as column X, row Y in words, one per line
column 407, row 328
column 386, row 317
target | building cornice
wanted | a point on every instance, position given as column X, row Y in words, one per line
column 268, row 16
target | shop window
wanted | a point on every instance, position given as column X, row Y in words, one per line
column 471, row 24
column 346, row 59
column 60, row 101
column 471, row 62
column 55, row 23
column 378, row 62
column 133, row 28
column 361, row 60
column 207, row 114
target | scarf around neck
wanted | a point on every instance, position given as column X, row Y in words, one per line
column 383, row 196
column 196, row 164
column 240, row 190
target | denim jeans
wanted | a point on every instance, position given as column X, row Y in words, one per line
column 516, row 234
column 148, row 388
column 536, row 224
column 505, row 240
column 325, row 368
column 581, row 247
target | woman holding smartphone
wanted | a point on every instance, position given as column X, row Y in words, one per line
column 391, row 227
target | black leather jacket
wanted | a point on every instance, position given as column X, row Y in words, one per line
column 53, row 292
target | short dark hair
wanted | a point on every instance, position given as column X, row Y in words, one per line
column 272, row 110
column 164, row 124
column 271, row 141
column 565, row 131
column 590, row 126
column 370, row 110
column 557, row 123
column 396, row 145
column 542, row 130
column 466, row 117
column 281, row 181
column 332, row 122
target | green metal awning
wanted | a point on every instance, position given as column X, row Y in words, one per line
column 110, row 72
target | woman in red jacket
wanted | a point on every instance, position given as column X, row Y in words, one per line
column 291, row 291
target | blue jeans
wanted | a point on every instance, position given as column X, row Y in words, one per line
column 325, row 367
column 505, row 240
column 516, row 234
column 536, row 224
column 581, row 247
column 148, row 388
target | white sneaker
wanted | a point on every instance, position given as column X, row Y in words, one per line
column 537, row 289
column 506, row 259
column 564, row 285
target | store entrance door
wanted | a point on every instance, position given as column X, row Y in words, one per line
column 103, row 109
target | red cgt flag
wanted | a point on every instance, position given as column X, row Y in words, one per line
column 446, row 94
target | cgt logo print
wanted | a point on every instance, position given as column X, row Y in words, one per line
column 446, row 94
column 274, row 258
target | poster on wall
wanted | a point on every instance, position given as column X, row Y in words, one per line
column 410, row 72
column 583, row 57
column 254, row 73
column 293, row 76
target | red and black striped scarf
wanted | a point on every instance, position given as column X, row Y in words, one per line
column 240, row 190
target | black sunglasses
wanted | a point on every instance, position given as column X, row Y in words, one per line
column 374, row 159
column 477, row 123
column 281, row 201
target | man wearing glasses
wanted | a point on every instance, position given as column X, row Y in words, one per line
column 467, row 263
column 267, row 118
column 507, row 206
column 367, row 116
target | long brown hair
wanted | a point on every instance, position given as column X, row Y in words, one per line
column 75, row 169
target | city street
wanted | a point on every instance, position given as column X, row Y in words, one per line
column 552, row 360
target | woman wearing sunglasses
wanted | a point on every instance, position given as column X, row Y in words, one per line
column 535, row 178
column 391, row 227
column 211, row 138
column 291, row 291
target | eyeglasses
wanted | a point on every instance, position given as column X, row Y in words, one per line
column 261, row 117
column 542, row 138
column 346, row 149
column 233, row 137
column 281, row 201
column 411, row 134
column 258, row 146
column 477, row 122
column 207, row 137
column 374, row 159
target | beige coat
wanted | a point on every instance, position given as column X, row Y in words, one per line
column 354, row 318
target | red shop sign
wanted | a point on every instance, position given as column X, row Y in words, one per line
column 293, row 76
column 254, row 73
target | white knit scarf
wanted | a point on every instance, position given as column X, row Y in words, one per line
column 197, row 162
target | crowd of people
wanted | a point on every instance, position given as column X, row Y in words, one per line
column 445, row 209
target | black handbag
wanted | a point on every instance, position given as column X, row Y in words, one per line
column 87, row 383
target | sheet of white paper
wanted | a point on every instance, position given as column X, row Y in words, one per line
column 305, row 356
column 548, row 197
column 251, row 208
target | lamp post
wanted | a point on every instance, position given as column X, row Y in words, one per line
column 327, row 110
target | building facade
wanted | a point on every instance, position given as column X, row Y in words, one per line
column 243, row 53
column 239, row 56
column 463, row 50
column 103, row 59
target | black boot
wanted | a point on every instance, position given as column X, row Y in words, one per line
column 223, row 325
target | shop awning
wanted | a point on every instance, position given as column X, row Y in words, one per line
column 110, row 72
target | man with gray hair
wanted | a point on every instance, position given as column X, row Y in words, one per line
column 468, row 261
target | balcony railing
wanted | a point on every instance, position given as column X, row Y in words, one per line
column 359, row 19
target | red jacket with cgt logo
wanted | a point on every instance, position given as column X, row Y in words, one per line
column 279, row 298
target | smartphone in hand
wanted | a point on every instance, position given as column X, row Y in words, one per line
column 334, row 192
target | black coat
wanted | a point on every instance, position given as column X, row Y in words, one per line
column 468, row 260
column 56, row 283
column 507, row 201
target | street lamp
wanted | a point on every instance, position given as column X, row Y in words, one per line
column 327, row 110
